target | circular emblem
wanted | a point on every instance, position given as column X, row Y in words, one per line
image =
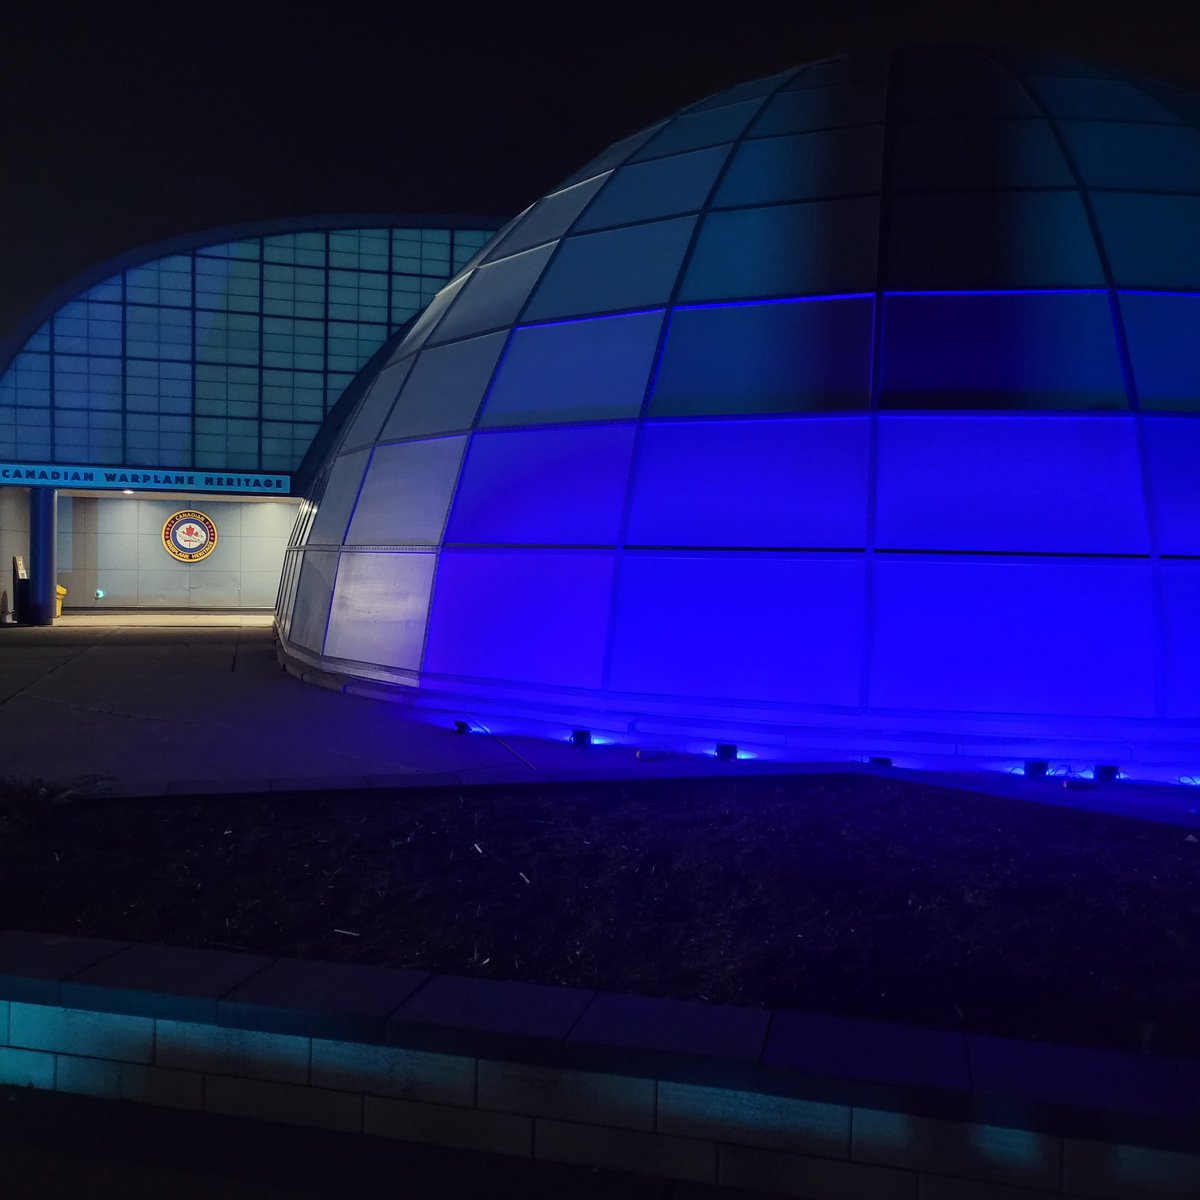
column 189, row 535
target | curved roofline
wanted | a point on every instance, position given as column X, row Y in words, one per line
column 184, row 243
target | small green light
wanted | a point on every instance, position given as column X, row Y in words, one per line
column 99, row 593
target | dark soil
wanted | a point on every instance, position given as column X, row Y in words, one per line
column 848, row 894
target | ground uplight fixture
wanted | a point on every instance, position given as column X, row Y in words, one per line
column 462, row 727
column 726, row 751
column 127, row 491
column 1106, row 772
column 581, row 737
column 1036, row 768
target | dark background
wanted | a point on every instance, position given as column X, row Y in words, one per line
column 128, row 122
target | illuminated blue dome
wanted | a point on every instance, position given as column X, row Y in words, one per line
column 851, row 407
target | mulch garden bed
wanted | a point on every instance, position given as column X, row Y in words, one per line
column 848, row 894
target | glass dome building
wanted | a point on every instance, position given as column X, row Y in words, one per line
column 853, row 409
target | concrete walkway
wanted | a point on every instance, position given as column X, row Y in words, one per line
column 195, row 703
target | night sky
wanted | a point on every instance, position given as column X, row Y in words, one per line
column 124, row 123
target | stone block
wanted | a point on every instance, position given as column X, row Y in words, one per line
column 388, row 1071
column 755, row 1119
column 130, row 1081
column 760, row 1170
column 216, row 1050
column 1119, row 1172
column 177, row 982
column 341, row 1001
column 656, row 1154
column 673, row 1027
column 442, row 1125
column 32, row 965
column 26, row 1068
column 966, row 1149
column 871, row 1051
column 288, row 1103
column 592, row 1097
column 75, row 1031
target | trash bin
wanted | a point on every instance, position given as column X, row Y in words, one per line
column 60, row 592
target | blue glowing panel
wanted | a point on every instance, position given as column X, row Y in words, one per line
column 930, row 155
column 379, row 609
column 1054, row 350
column 663, row 188
column 798, row 483
column 406, row 493
column 1003, row 636
column 1098, row 99
column 310, row 612
column 694, row 130
column 621, row 268
column 1163, row 332
column 538, row 616
column 1172, row 458
column 376, row 405
column 543, row 487
column 821, row 108
column 790, row 249
column 833, row 162
column 337, row 502
column 768, row 627
column 1181, row 603
column 1147, row 157
column 549, row 219
column 991, row 240
column 1152, row 241
column 761, row 358
column 1010, row 484
column 445, row 388
column 493, row 295
column 576, row 371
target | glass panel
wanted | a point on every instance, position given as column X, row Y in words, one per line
column 633, row 267
column 744, row 91
column 758, row 358
column 694, row 130
column 798, row 483
column 821, row 108
column 1172, row 452
column 338, row 500
column 311, row 610
column 576, row 371
column 1009, row 351
column 1010, row 484
column 1163, row 332
column 1097, row 99
column 832, row 163
column 494, row 294
column 379, row 609
column 406, row 494
column 544, row 487
column 421, row 328
column 662, row 188
column 992, row 240
column 616, row 154
column 978, row 154
column 376, row 405
column 1148, row 157
column 445, row 389
column 993, row 637
column 764, row 627
column 1152, row 241
column 794, row 249
column 536, row 616
column 549, row 219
